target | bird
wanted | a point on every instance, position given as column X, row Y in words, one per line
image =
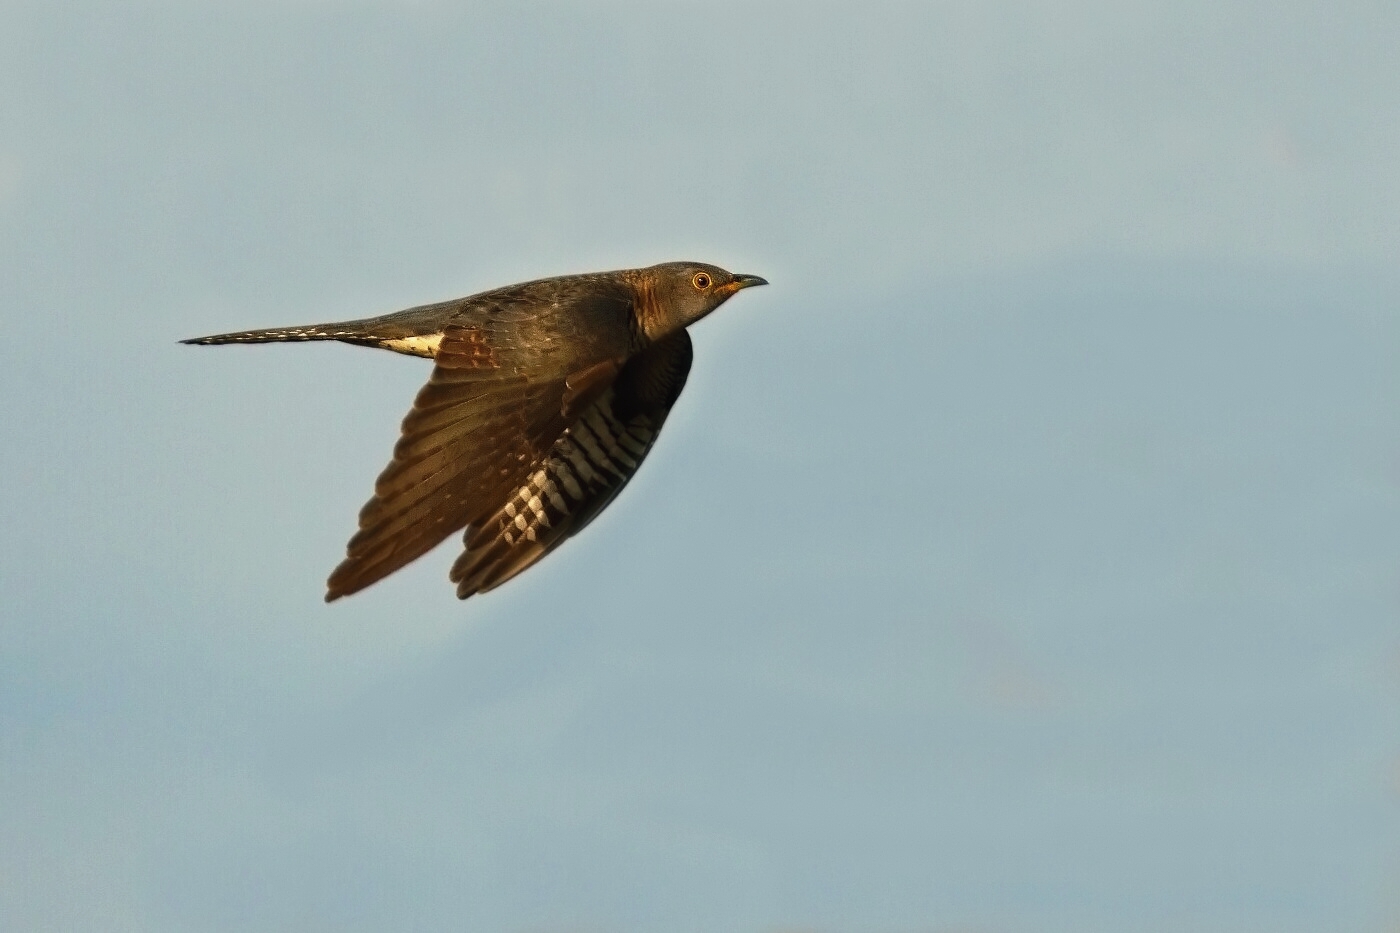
column 544, row 399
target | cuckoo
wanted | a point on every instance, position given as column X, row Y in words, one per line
column 543, row 401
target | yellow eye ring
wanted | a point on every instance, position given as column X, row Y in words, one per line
column 701, row 280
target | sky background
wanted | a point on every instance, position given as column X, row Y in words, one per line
column 1025, row 558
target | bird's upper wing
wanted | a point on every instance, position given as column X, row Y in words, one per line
column 494, row 405
column 609, row 429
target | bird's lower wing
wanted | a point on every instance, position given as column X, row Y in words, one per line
column 591, row 460
column 470, row 439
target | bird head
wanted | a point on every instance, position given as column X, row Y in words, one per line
column 677, row 294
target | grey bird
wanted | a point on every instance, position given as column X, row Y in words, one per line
column 544, row 399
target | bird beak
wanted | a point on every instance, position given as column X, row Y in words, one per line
column 746, row 281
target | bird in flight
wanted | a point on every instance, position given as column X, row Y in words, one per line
column 543, row 401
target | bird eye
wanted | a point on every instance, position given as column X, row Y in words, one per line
column 701, row 280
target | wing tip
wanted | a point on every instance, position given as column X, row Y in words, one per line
column 342, row 582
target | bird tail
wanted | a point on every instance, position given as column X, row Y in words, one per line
column 343, row 331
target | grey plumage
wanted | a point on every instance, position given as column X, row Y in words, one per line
column 544, row 399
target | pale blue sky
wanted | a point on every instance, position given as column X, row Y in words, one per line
column 1023, row 559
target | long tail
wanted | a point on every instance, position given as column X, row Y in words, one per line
column 352, row 331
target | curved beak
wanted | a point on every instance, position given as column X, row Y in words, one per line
column 746, row 281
